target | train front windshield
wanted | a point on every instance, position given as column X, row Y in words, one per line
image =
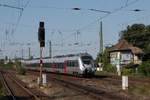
column 87, row 60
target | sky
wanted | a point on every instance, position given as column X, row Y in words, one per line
column 70, row 31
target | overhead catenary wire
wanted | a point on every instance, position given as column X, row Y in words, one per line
column 10, row 6
column 20, row 16
column 114, row 11
column 84, row 27
column 101, row 18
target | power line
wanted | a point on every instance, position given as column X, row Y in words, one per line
column 20, row 16
column 114, row 11
column 90, row 9
column 9, row 6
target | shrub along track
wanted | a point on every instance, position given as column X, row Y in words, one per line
column 16, row 90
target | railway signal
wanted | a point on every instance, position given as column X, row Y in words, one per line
column 42, row 44
column 41, row 34
column 41, row 38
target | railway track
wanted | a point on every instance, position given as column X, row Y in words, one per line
column 16, row 90
column 71, row 83
column 113, row 79
column 94, row 91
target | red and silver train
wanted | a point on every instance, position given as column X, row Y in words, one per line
column 75, row 64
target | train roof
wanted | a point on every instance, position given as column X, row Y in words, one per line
column 62, row 56
column 71, row 55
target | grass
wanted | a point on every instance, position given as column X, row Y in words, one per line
column 3, row 93
column 129, row 74
column 19, row 68
column 7, row 65
column 104, row 73
column 139, row 90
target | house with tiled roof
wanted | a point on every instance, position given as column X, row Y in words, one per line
column 126, row 53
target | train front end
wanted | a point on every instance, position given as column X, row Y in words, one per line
column 87, row 65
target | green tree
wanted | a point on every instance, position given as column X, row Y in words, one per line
column 144, row 69
column 98, row 58
column 105, row 56
column 138, row 35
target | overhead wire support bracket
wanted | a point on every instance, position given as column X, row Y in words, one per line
column 97, row 10
column 108, row 12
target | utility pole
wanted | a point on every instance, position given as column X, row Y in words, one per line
column 29, row 53
column 101, row 46
column 22, row 53
column 50, row 49
column 101, row 38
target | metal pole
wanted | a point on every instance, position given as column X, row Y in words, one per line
column 22, row 53
column 50, row 49
column 101, row 45
column 41, row 65
column 101, row 38
column 29, row 53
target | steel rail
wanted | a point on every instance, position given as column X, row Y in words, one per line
column 27, row 90
column 7, row 87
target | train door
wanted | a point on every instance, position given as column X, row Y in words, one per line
column 65, row 69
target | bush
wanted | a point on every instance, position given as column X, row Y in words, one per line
column 21, row 70
column 3, row 93
column 110, row 68
column 144, row 68
column 125, row 71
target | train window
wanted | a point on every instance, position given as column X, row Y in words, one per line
column 62, row 65
column 59, row 65
column 33, row 65
column 67, row 63
column 86, row 59
column 56, row 65
column 37, row 64
column 46, row 65
column 50, row 64
column 76, row 63
column 72, row 63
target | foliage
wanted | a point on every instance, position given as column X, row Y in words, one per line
column 144, row 68
column 105, row 56
column 98, row 59
column 109, row 68
column 3, row 93
column 1, row 61
column 21, row 70
column 126, row 71
column 139, row 90
column 130, row 64
column 10, row 64
column 138, row 35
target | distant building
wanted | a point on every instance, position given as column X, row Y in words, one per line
column 126, row 52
